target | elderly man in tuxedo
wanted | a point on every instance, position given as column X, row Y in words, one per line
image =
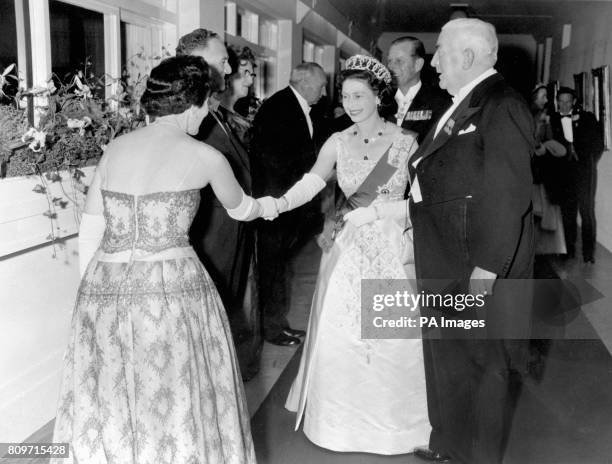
column 419, row 105
column 580, row 134
column 471, row 212
column 224, row 245
column 284, row 150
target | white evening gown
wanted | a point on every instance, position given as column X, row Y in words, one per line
column 361, row 395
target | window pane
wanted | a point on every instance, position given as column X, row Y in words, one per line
column 77, row 43
column 8, row 49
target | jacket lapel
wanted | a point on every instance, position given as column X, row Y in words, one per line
column 299, row 112
column 466, row 109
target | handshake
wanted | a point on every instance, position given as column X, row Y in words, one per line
column 270, row 207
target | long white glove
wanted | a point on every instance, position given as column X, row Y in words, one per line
column 389, row 209
column 91, row 232
column 269, row 207
column 301, row 193
column 247, row 210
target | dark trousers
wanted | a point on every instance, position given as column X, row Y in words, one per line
column 277, row 243
column 580, row 196
column 471, row 394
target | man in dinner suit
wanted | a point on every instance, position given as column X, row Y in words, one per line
column 419, row 105
column 473, row 228
column 225, row 246
column 580, row 134
column 284, row 149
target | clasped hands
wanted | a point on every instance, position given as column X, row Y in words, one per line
column 269, row 208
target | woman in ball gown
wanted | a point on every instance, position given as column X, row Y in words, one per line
column 150, row 373
column 354, row 394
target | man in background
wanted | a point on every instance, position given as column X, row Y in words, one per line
column 225, row 246
column 580, row 134
column 419, row 104
column 284, row 149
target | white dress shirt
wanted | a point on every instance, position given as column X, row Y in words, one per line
column 463, row 92
column 566, row 124
column 305, row 108
column 404, row 101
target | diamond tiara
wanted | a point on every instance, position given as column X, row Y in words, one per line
column 367, row 63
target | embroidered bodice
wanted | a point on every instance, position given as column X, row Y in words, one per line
column 353, row 171
column 151, row 222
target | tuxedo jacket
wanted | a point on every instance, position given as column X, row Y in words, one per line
column 428, row 106
column 282, row 147
column 476, row 183
column 223, row 244
column 588, row 141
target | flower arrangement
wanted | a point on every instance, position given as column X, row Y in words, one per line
column 74, row 126
column 73, row 129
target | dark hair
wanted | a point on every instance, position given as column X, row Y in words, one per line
column 175, row 84
column 568, row 90
column 384, row 91
column 537, row 88
column 235, row 59
column 196, row 39
column 419, row 48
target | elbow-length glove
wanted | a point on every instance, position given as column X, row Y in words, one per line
column 91, row 232
column 301, row 193
column 390, row 209
column 247, row 210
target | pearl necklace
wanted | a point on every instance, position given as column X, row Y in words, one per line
column 367, row 140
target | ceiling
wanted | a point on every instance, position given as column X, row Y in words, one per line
column 536, row 17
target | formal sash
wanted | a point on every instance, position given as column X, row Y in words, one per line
column 365, row 194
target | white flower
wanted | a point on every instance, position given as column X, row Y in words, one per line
column 37, row 139
column 79, row 124
column 83, row 90
column 125, row 112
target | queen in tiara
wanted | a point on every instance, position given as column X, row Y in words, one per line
column 360, row 393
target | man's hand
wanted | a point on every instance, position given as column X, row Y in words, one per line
column 360, row 216
column 268, row 206
column 481, row 281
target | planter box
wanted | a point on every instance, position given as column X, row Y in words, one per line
column 23, row 223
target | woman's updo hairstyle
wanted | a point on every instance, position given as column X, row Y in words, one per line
column 175, row 85
column 378, row 78
column 237, row 58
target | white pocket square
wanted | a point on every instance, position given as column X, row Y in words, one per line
column 467, row 130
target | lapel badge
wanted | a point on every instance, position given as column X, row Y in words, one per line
column 448, row 127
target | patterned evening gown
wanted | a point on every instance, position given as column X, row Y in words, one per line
column 359, row 394
column 150, row 374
